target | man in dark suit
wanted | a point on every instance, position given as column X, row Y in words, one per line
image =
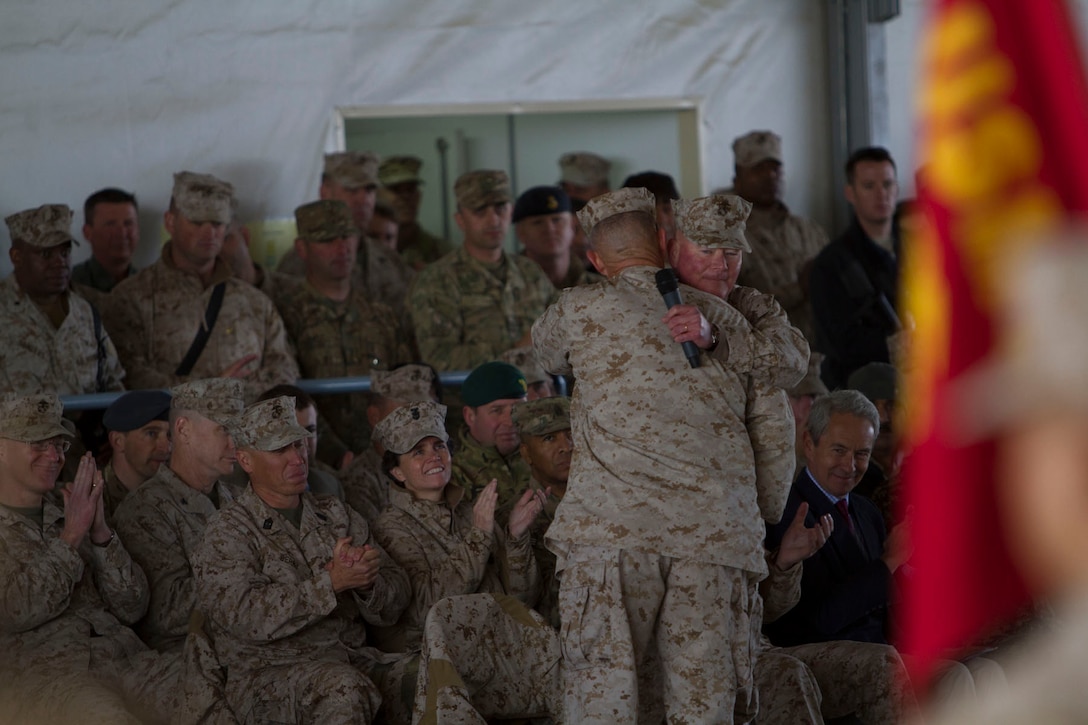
column 845, row 585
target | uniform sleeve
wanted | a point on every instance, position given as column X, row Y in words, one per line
column 768, row 319
column 771, row 430
column 392, row 591
column 120, row 582
column 153, row 541
column 781, row 590
column 434, row 306
column 277, row 364
column 242, row 599
column 460, row 573
column 745, row 349
column 520, row 575
column 38, row 581
column 550, row 342
column 123, row 316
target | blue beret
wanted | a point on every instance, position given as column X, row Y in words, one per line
column 539, row 201
column 136, row 409
column 493, row 381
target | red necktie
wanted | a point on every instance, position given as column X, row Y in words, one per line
column 844, row 509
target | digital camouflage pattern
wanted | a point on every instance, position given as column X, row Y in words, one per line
column 782, row 246
column 218, row 399
column 505, row 664
column 324, row 220
column 202, row 197
column 68, row 360
column 407, row 425
column 714, row 222
column 476, row 189
column 578, row 274
column 379, row 275
column 541, row 416
column 161, row 523
column 616, row 202
column 270, row 425
column 159, row 311
column 583, row 168
column 633, row 654
column 352, row 169
column 444, row 554
column 63, row 612
column 548, row 602
column 475, row 465
column 640, row 481
column 400, row 170
column 341, row 339
column 407, row 384
column 466, row 314
column 44, row 227
column 366, row 485
column 524, row 359
column 294, row 648
column 417, row 247
column 756, row 146
column 113, row 493
column 30, row 418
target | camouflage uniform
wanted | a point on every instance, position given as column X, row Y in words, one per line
column 475, row 465
column 36, row 356
column 341, row 339
column 578, row 275
column 641, row 483
column 93, row 275
column 548, row 603
column 366, row 485
column 161, row 523
column 160, row 309
column 418, row 247
column 444, row 554
column 293, row 648
column 61, row 610
column 465, row 314
column 113, row 493
column 379, row 274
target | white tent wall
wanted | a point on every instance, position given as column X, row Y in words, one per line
column 122, row 93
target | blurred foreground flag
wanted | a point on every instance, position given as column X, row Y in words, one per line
column 1003, row 151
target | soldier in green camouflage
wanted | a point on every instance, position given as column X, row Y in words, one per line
column 477, row 301
column 334, row 328
column 352, row 177
column 417, row 247
column 488, row 448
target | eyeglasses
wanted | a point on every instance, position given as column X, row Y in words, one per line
column 61, row 445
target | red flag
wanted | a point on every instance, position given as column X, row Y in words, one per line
column 1003, row 113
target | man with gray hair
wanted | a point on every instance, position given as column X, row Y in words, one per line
column 163, row 520
column 187, row 316
column 662, row 512
column 70, row 586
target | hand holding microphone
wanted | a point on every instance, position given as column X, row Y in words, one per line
column 686, row 323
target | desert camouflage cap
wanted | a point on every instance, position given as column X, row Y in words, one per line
column 524, row 359
column 714, row 222
column 324, row 221
column 583, row 168
column 270, row 425
column 30, row 418
column 481, row 188
column 400, row 170
column 811, row 384
column 616, row 202
column 409, row 424
column 217, row 399
column 407, row 384
column 755, row 146
column 352, row 169
column 542, row 416
column 46, row 226
column 203, row 198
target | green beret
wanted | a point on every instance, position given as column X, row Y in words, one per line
column 493, row 381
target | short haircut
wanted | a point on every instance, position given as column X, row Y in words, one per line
column 868, row 153
column 303, row 400
column 662, row 186
column 620, row 230
column 109, row 195
column 850, row 402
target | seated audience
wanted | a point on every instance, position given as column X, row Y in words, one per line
column 139, row 438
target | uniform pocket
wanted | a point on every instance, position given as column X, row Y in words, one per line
column 588, row 601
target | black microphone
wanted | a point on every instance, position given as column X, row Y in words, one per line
column 669, row 287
